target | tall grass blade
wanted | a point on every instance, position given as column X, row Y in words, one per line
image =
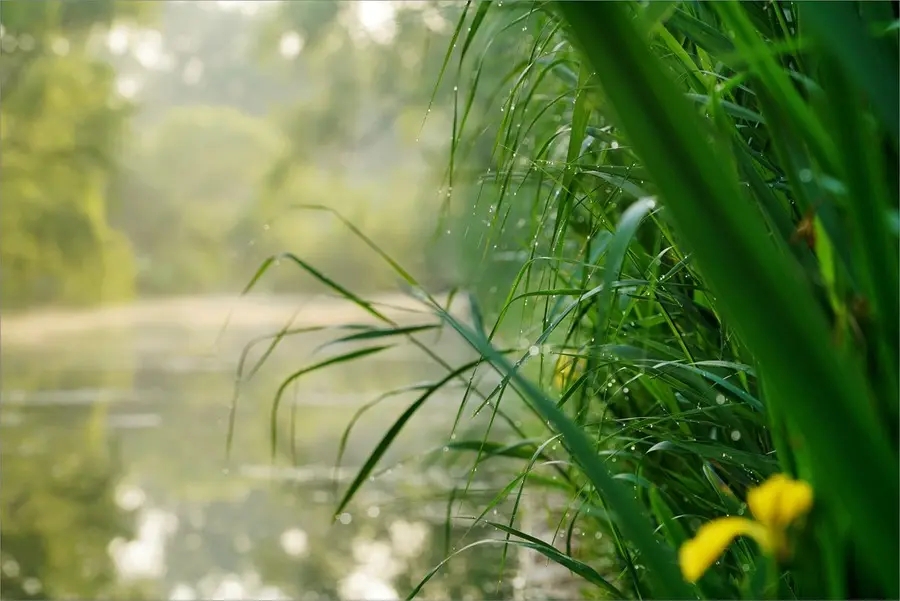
column 343, row 358
column 386, row 441
column 822, row 392
column 630, row 516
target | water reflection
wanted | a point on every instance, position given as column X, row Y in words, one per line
column 116, row 485
column 58, row 502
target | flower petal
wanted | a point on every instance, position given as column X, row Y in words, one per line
column 698, row 554
column 779, row 501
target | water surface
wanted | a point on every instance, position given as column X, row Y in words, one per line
column 116, row 482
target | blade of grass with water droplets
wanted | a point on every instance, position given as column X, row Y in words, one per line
column 757, row 284
column 634, row 522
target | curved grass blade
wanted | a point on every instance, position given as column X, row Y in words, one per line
column 321, row 277
column 378, row 333
column 553, row 554
column 522, row 449
column 631, row 516
column 617, row 250
column 357, row 415
column 368, row 307
column 275, row 339
column 352, row 355
column 573, row 565
column 848, row 451
column 391, row 434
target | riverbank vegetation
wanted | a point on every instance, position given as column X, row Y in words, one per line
column 700, row 204
column 673, row 226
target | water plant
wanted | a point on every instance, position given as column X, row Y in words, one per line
column 706, row 294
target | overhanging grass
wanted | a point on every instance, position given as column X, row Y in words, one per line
column 682, row 349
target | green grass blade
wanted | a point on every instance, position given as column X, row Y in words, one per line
column 616, row 252
column 378, row 333
column 874, row 70
column 239, row 376
column 822, row 393
column 634, row 523
column 386, row 441
column 568, row 562
column 343, row 358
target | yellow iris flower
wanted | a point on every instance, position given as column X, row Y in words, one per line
column 568, row 368
column 775, row 505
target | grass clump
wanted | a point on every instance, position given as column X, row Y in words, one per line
column 701, row 203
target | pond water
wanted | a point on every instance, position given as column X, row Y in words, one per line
column 116, row 482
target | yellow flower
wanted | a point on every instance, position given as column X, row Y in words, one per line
column 775, row 505
column 568, row 368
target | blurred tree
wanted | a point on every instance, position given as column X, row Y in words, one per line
column 187, row 188
column 59, row 123
column 202, row 53
column 348, row 85
column 377, row 62
column 375, row 65
column 204, row 57
column 388, row 98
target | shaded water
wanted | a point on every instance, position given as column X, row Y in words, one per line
column 116, row 482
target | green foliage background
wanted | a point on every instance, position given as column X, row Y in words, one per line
column 179, row 173
column 59, row 128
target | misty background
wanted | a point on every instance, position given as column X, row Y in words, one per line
column 154, row 155
column 167, row 154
